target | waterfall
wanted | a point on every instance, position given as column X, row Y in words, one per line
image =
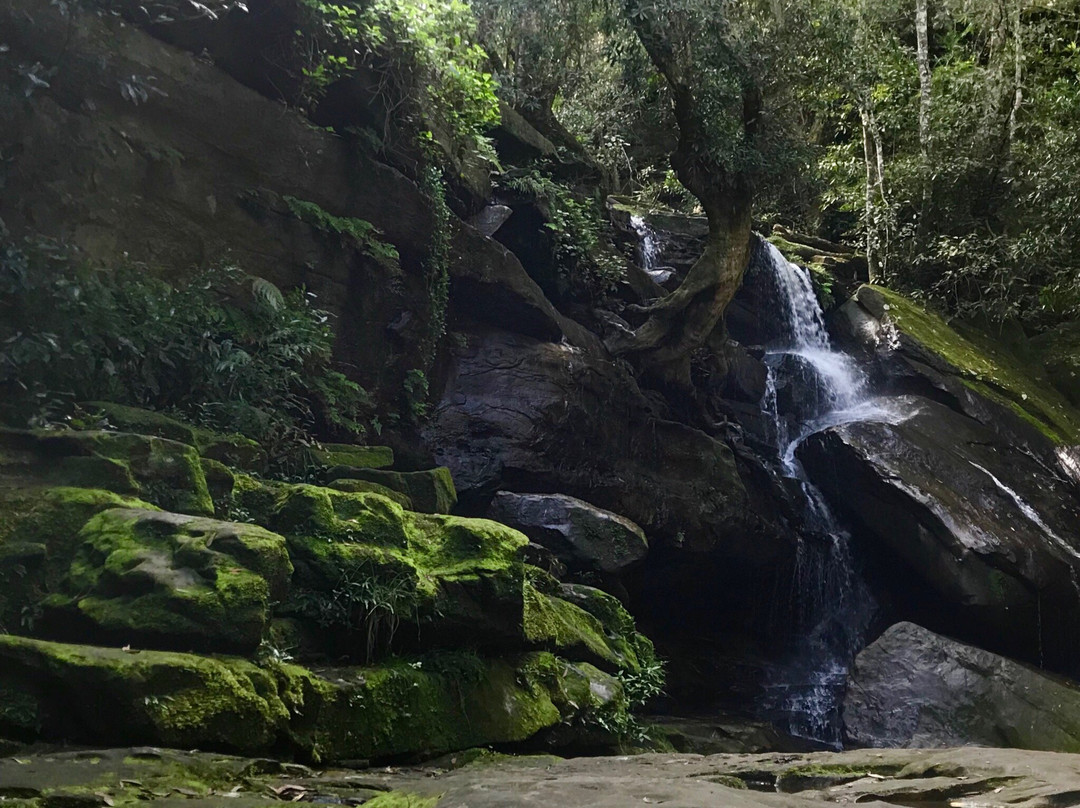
column 650, row 250
column 834, row 607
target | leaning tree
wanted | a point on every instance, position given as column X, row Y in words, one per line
column 717, row 105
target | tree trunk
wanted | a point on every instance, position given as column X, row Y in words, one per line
column 922, row 36
column 682, row 322
column 869, row 210
column 1018, row 70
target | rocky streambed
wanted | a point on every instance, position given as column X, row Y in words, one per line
column 964, row 778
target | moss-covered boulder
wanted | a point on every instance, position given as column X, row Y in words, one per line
column 164, row 580
column 139, row 421
column 428, row 705
column 39, row 533
column 115, row 697
column 430, row 491
column 230, row 449
column 365, row 487
column 989, row 383
column 164, row 472
column 348, row 455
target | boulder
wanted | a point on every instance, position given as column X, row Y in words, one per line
column 230, row 449
column 517, row 141
column 364, row 487
column 364, row 567
column 352, row 456
column 167, row 473
column 169, row 581
column 979, row 524
column 489, row 284
column 39, row 535
column 961, row 365
column 430, row 491
column 913, row 688
column 584, row 536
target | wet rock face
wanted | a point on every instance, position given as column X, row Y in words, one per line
column 527, row 415
column 978, row 526
column 982, row 521
column 914, row 688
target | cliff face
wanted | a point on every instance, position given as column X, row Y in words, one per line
column 132, row 150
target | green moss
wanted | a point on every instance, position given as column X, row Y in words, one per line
column 364, row 233
column 99, row 695
column 553, row 623
column 430, row 491
column 365, row 487
column 161, row 471
column 167, row 580
column 447, row 545
column 402, row 799
column 39, row 534
column 232, row 450
column 361, row 457
column 981, row 365
column 150, row 697
column 142, row 422
column 220, row 481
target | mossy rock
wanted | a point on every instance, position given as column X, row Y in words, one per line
column 171, row 581
column 430, row 491
column 230, row 449
column 428, row 706
column 982, row 367
column 39, row 534
column 550, row 622
column 363, row 564
column 113, row 697
column 351, row 456
column 142, row 422
column 365, row 487
column 459, row 579
column 164, row 472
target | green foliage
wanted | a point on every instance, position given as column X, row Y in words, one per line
column 432, row 65
column 437, row 263
column 364, row 599
column 581, row 252
column 643, row 684
column 224, row 350
column 366, row 235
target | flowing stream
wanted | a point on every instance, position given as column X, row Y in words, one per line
column 821, row 387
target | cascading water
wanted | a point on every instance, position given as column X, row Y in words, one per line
column 833, row 606
column 650, row 250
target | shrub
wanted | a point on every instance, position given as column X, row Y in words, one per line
column 225, row 350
